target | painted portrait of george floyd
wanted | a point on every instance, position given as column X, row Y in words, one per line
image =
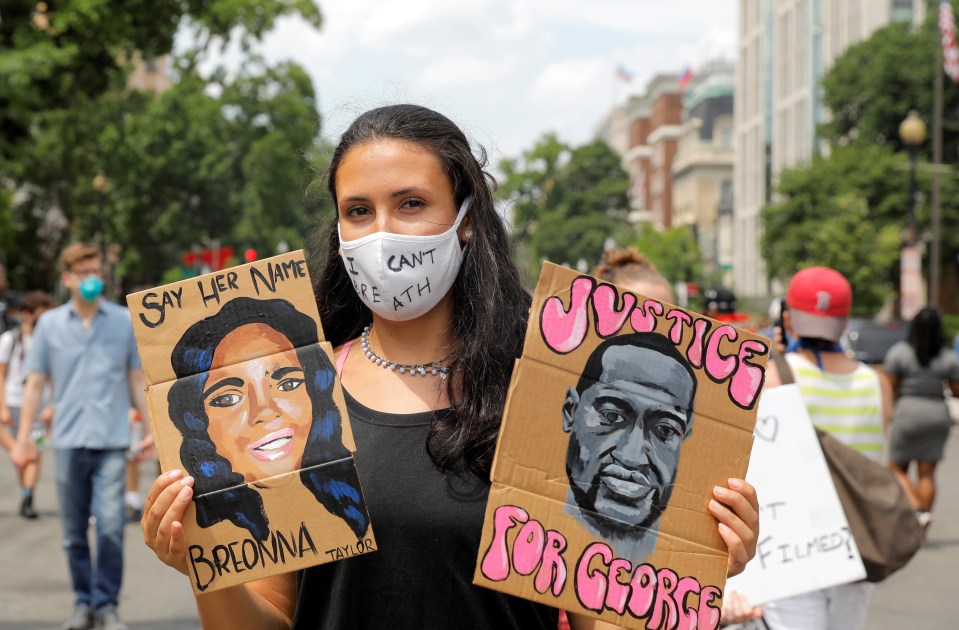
column 244, row 397
column 627, row 418
column 623, row 413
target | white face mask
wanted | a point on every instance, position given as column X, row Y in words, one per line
column 402, row 277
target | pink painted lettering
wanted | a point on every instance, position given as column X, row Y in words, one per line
column 679, row 318
column 708, row 614
column 608, row 319
column 747, row 381
column 719, row 366
column 695, row 351
column 643, row 319
column 618, row 592
column 665, row 610
column 688, row 616
column 528, row 547
column 564, row 330
column 495, row 565
column 606, row 583
column 552, row 573
column 644, row 591
column 591, row 585
column 533, row 547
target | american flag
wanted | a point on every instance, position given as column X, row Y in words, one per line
column 947, row 30
column 623, row 73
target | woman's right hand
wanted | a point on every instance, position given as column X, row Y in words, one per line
column 162, row 524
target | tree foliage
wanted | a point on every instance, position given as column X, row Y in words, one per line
column 566, row 201
column 673, row 251
column 872, row 86
column 221, row 156
column 849, row 209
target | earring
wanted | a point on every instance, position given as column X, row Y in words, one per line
column 468, row 234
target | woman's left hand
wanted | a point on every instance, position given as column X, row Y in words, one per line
column 737, row 510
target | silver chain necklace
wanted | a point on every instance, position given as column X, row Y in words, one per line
column 420, row 369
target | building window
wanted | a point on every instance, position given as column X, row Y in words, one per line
column 726, row 138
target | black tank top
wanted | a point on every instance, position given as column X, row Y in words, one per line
column 427, row 526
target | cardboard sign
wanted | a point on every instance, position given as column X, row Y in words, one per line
column 804, row 541
column 622, row 415
column 243, row 396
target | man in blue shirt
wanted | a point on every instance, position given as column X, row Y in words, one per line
column 87, row 349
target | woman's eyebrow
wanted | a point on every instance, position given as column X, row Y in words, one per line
column 283, row 371
column 229, row 381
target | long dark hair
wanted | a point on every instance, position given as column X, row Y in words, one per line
column 926, row 335
column 326, row 469
column 490, row 305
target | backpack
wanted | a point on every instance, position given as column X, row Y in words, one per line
column 881, row 518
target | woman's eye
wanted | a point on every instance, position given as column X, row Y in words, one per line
column 357, row 211
column 289, row 384
column 225, row 400
column 413, row 203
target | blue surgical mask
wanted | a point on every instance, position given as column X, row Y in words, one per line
column 90, row 288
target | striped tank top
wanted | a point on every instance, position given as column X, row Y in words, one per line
column 847, row 406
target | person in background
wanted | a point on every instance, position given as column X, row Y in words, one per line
column 918, row 370
column 425, row 360
column 86, row 349
column 845, row 398
column 633, row 271
column 14, row 346
column 132, row 499
column 720, row 303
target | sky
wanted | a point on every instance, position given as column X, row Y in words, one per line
column 506, row 71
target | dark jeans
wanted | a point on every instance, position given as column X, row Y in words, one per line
column 91, row 481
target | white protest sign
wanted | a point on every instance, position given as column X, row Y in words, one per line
column 804, row 539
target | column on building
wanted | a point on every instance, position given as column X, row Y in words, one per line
column 702, row 170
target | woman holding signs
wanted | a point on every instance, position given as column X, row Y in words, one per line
column 425, row 355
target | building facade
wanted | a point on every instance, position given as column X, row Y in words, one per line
column 702, row 173
column 645, row 132
column 785, row 47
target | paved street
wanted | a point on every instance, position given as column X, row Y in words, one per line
column 35, row 586
column 35, row 590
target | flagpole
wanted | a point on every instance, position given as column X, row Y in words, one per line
column 935, row 254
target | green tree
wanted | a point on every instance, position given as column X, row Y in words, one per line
column 872, row 86
column 565, row 201
column 847, row 211
column 213, row 157
column 862, row 184
column 674, row 252
column 52, row 58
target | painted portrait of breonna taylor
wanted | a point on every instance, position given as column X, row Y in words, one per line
column 244, row 397
column 623, row 413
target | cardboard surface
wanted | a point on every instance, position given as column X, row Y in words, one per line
column 804, row 541
column 603, row 474
column 243, row 396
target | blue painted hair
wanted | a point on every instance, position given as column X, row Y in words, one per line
column 327, row 468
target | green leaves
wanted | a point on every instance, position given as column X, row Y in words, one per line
column 565, row 201
column 218, row 157
column 849, row 210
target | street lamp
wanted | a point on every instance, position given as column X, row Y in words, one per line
column 912, row 132
column 101, row 184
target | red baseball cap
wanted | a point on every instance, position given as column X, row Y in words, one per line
column 819, row 300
